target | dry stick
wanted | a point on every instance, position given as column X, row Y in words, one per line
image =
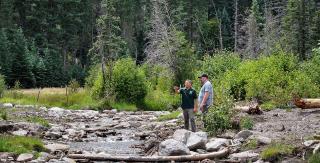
column 38, row 95
column 67, row 95
column 97, row 157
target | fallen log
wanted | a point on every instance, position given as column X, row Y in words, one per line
column 97, row 157
column 307, row 103
column 250, row 109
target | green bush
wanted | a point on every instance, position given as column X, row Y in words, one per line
column 128, row 81
column 20, row 144
column 38, row 120
column 157, row 100
column 275, row 151
column 73, row 86
column 2, row 85
column 275, row 78
column 216, row 66
column 246, row 123
column 3, row 115
column 219, row 116
column 312, row 67
column 315, row 158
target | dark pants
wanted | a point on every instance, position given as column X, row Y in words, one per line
column 188, row 115
column 204, row 115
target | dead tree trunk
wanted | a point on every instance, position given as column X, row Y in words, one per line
column 307, row 103
column 92, row 157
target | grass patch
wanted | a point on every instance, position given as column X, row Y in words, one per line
column 268, row 106
column 246, row 123
column 275, row 151
column 251, row 144
column 19, row 144
column 3, row 115
column 172, row 115
column 39, row 120
column 314, row 158
column 122, row 106
column 57, row 98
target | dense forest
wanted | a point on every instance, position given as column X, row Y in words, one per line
column 48, row 43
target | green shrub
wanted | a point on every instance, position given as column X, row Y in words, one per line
column 73, row 86
column 2, row 85
column 38, row 120
column 275, row 79
column 157, row 100
column 128, row 81
column 4, row 115
column 315, row 158
column 250, row 145
column 172, row 115
column 124, row 106
column 219, row 116
column 246, row 123
column 19, row 144
column 275, row 151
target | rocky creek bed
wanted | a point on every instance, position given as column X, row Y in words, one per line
column 75, row 133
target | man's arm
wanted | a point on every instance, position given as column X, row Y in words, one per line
column 195, row 109
column 205, row 98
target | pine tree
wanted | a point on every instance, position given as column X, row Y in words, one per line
column 5, row 60
column 21, row 69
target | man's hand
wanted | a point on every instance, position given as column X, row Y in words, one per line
column 195, row 109
column 201, row 107
column 176, row 88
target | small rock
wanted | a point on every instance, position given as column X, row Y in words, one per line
column 5, row 155
column 57, row 147
column 245, row 156
column 202, row 134
column 172, row 147
column 53, row 135
column 43, row 108
column 244, row 134
column 7, row 105
column 217, row 143
column 20, row 133
column 196, row 142
column 25, row 157
column 261, row 139
column 58, row 112
column 316, row 149
column 181, row 135
column 6, row 127
column 309, row 143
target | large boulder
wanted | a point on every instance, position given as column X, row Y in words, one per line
column 196, row 141
column 181, row 135
column 5, row 127
column 244, row 134
column 25, row 157
column 172, row 147
column 216, row 143
column 20, row 133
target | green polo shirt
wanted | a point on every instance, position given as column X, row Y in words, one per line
column 188, row 97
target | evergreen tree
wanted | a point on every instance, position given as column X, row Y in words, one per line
column 21, row 69
column 5, row 57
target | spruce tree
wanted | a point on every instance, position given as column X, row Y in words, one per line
column 21, row 69
column 5, row 60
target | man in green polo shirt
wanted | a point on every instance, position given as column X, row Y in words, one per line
column 189, row 105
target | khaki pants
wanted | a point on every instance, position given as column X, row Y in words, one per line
column 188, row 115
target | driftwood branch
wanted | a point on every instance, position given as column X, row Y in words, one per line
column 198, row 157
column 304, row 103
column 253, row 108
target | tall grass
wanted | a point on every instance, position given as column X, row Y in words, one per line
column 81, row 99
column 20, row 144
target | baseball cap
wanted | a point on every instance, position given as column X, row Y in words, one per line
column 203, row 75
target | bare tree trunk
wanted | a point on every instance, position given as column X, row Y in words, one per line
column 236, row 24
column 220, row 26
column 198, row 157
